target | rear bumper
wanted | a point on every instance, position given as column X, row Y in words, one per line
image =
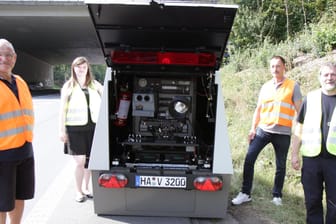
column 160, row 201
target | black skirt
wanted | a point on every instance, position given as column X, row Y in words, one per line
column 79, row 143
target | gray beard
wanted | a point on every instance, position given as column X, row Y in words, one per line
column 329, row 87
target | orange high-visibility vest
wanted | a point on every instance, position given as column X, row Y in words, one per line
column 277, row 106
column 16, row 117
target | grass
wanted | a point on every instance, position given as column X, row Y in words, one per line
column 241, row 93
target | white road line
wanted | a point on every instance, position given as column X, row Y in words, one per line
column 47, row 204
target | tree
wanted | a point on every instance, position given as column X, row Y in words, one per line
column 62, row 73
column 287, row 17
column 304, row 14
column 274, row 20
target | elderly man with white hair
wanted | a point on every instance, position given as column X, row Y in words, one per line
column 17, row 177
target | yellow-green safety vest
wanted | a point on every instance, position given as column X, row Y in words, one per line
column 77, row 108
column 311, row 131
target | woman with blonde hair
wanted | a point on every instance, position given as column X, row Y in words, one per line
column 80, row 103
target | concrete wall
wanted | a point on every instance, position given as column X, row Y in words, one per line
column 34, row 70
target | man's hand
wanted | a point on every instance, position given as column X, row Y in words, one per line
column 296, row 144
column 295, row 161
column 251, row 136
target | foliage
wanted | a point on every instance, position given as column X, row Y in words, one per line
column 315, row 41
column 258, row 20
column 250, row 28
column 241, row 93
column 246, row 72
column 62, row 73
column 98, row 71
column 324, row 34
column 256, row 38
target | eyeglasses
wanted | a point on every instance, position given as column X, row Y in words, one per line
column 7, row 55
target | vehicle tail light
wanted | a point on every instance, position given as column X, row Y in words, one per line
column 163, row 58
column 112, row 180
column 208, row 183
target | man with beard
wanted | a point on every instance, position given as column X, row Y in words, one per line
column 315, row 136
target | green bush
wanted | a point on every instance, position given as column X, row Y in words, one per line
column 242, row 79
column 324, row 34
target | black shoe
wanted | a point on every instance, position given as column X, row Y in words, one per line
column 88, row 194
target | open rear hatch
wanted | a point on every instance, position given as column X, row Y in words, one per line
column 165, row 138
column 149, row 33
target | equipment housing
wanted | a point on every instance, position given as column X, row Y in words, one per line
column 161, row 145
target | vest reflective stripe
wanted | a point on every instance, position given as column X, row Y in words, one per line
column 16, row 113
column 16, row 118
column 311, row 131
column 332, row 137
column 286, row 108
column 277, row 108
column 77, row 108
column 15, row 131
column 331, row 140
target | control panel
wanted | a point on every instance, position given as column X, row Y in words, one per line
column 163, row 116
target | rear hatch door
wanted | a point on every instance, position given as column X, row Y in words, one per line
column 149, row 26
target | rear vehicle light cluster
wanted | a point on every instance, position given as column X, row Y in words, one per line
column 112, row 180
column 163, row 58
column 208, row 183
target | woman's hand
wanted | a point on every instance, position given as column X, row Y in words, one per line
column 64, row 137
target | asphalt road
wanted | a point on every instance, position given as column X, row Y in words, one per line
column 54, row 200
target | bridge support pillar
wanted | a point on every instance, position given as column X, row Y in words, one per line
column 34, row 71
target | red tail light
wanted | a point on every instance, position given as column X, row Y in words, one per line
column 208, row 183
column 111, row 180
column 163, row 58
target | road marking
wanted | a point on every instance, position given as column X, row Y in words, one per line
column 47, row 204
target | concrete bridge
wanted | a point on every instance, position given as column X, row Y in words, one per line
column 46, row 33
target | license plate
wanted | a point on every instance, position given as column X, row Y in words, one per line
column 160, row 181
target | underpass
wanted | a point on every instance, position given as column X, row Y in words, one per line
column 47, row 33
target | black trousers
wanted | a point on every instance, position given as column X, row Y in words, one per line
column 281, row 145
column 319, row 174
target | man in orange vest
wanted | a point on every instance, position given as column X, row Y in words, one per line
column 17, row 177
column 315, row 138
column 279, row 99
